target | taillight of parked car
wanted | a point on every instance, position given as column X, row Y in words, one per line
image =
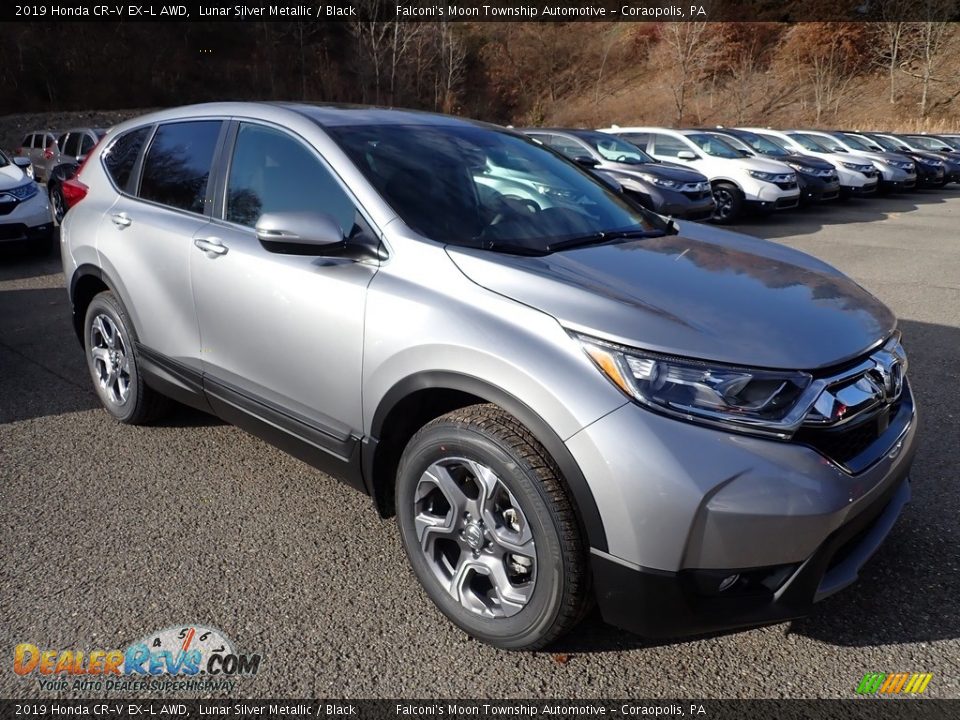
column 48, row 154
column 73, row 189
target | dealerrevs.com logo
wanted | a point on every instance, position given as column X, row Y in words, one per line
column 181, row 657
column 888, row 684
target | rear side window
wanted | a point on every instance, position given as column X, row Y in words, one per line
column 121, row 156
column 61, row 142
column 72, row 146
column 86, row 144
column 27, row 141
column 51, row 141
column 273, row 172
column 570, row 148
column 177, row 165
column 668, row 145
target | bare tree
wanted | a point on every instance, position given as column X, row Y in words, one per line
column 453, row 56
column 691, row 47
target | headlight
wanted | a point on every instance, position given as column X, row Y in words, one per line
column 803, row 168
column 759, row 401
column 25, row 191
column 662, row 182
column 772, row 177
column 902, row 164
column 857, row 166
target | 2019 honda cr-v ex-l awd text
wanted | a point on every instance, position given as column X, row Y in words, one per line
column 562, row 397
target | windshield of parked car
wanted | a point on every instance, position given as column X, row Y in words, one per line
column 808, row 142
column 485, row 188
column 887, row 143
column 713, row 145
column 928, row 143
column 855, row 143
column 761, row 144
column 951, row 142
column 615, row 149
column 831, row 144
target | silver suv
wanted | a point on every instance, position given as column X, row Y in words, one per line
column 560, row 395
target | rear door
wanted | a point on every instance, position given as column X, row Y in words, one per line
column 146, row 238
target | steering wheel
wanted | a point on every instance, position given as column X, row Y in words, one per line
column 622, row 158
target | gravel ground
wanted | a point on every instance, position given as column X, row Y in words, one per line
column 109, row 532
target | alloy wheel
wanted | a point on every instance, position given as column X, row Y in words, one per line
column 724, row 200
column 475, row 537
column 111, row 360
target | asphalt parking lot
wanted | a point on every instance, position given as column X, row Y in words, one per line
column 110, row 532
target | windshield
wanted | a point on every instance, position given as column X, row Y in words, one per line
column 713, row 145
column 736, row 143
column 761, row 144
column 952, row 142
column 886, row 143
column 831, row 144
column 485, row 188
column 809, row 143
column 855, row 143
column 615, row 149
column 928, row 143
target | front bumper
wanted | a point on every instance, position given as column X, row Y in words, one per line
column 867, row 188
column 816, row 189
column 791, row 524
column 677, row 204
column 931, row 177
column 28, row 220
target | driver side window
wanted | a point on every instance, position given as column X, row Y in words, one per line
column 270, row 171
column 668, row 146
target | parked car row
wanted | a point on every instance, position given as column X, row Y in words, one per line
column 723, row 173
column 27, row 213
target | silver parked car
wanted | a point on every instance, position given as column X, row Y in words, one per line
column 559, row 394
column 40, row 148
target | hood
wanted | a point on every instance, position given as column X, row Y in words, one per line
column 11, row 176
column 808, row 160
column 883, row 156
column 762, row 164
column 704, row 293
column 667, row 172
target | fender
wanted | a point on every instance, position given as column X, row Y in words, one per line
column 584, row 504
column 82, row 271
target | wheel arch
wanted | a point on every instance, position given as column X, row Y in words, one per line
column 422, row 397
column 87, row 281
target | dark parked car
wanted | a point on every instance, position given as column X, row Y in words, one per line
column 817, row 177
column 664, row 188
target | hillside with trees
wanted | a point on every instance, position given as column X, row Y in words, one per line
column 900, row 75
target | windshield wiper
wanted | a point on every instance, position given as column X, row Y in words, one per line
column 599, row 238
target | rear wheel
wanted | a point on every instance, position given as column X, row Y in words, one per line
column 489, row 530
column 58, row 205
column 115, row 366
column 729, row 201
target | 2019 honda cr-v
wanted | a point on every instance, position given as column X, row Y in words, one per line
column 561, row 396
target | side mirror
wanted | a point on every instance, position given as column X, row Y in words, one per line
column 586, row 161
column 687, row 155
column 300, row 233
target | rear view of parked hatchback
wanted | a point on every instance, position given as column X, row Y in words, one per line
column 561, row 396
column 40, row 148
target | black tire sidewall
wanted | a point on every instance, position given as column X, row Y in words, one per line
column 737, row 198
column 106, row 304
column 453, row 440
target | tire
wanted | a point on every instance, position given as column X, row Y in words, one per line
column 58, row 207
column 508, row 566
column 109, row 345
column 729, row 201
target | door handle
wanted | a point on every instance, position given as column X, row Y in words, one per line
column 211, row 246
column 121, row 219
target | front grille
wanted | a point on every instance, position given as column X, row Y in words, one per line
column 702, row 195
column 787, row 185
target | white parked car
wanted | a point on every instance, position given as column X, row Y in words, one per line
column 739, row 183
column 858, row 175
column 24, row 210
column 897, row 171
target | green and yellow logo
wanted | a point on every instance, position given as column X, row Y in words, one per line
column 894, row 683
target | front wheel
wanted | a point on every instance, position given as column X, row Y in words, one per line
column 729, row 202
column 489, row 530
